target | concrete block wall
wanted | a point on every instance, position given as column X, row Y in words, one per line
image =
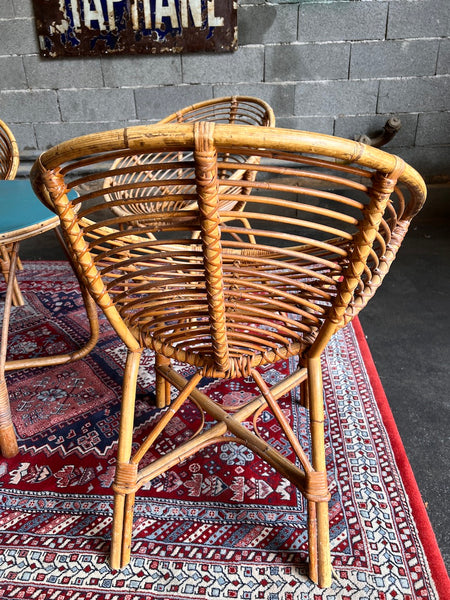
column 337, row 67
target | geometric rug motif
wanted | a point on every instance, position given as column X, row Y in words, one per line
column 222, row 524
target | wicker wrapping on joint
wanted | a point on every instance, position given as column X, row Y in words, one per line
column 326, row 216
column 239, row 110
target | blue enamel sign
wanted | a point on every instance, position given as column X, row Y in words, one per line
column 93, row 27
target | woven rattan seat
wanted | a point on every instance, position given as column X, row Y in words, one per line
column 327, row 215
column 239, row 110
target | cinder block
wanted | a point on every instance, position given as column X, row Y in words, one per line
column 242, row 2
column 25, row 137
column 67, row 73
column 138, row 71
column 50, row 134
column 267, row 24
column 415, row 94
column 342, row 21
column 371, row 125
column 6, row 9
column 430, row 161
column 23, row 8
column 18, row 36
column 336, row 97
column 97, row 105
column 297, row 62
column 433, row 129
column 316, row 124
column 406, row 58
column 244, row 65
column 421, row 18
column 279, row 96
column 154, row 103
column 29, row 107
column 13, row 74
column 443, row 66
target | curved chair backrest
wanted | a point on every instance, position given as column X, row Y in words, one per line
column 239, row 110
column 233, row 110
column 9, row 153
column 327, row 214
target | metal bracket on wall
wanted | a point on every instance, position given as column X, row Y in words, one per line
column 391, row 128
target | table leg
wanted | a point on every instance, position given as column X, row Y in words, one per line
column 8, row 440
column 17, row 298
column 62, row 359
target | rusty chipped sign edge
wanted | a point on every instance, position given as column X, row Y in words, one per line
column 77, row 28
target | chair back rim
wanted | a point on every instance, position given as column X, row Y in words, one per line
column 176, row 136
column 13, row 154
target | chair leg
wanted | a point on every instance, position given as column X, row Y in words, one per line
column 8, row 440
column 162, row 386
column 5, row 262
column 126, row 471
column 318, row 520
column 304, row 392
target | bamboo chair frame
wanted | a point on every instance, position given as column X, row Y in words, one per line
column 221, row 303
column 10, row 262
column 239, row 110
column 8, row 440
column 9, row 163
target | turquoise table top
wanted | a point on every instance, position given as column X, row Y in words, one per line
column 22, row 214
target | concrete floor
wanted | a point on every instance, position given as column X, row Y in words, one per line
column 407, row 328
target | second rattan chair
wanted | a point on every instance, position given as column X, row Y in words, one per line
column 326, row 233
column 9, row 163
column 238, row 110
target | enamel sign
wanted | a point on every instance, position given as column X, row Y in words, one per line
column 95, row 27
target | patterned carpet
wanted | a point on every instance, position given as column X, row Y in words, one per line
column 220, row 525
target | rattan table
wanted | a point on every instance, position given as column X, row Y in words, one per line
column 22, row 216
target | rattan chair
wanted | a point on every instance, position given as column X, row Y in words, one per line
column 9, row 163
column 238, row 110
column 328, row 217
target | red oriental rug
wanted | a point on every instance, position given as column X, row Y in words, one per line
column 220, row 525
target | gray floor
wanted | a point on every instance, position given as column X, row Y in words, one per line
column 407, row 328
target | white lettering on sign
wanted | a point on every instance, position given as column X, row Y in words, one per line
column 165, row 10
column 213, row 21
column 195, row 10
column 91, row 14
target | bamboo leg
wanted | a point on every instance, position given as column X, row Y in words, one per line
column 123, row 499
column 6, row 251
column 8, row 440
column 304, row 392
column 162, row 386
column 17, row 297
column 312, row 541
column 61, row 359
column 318, row 522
